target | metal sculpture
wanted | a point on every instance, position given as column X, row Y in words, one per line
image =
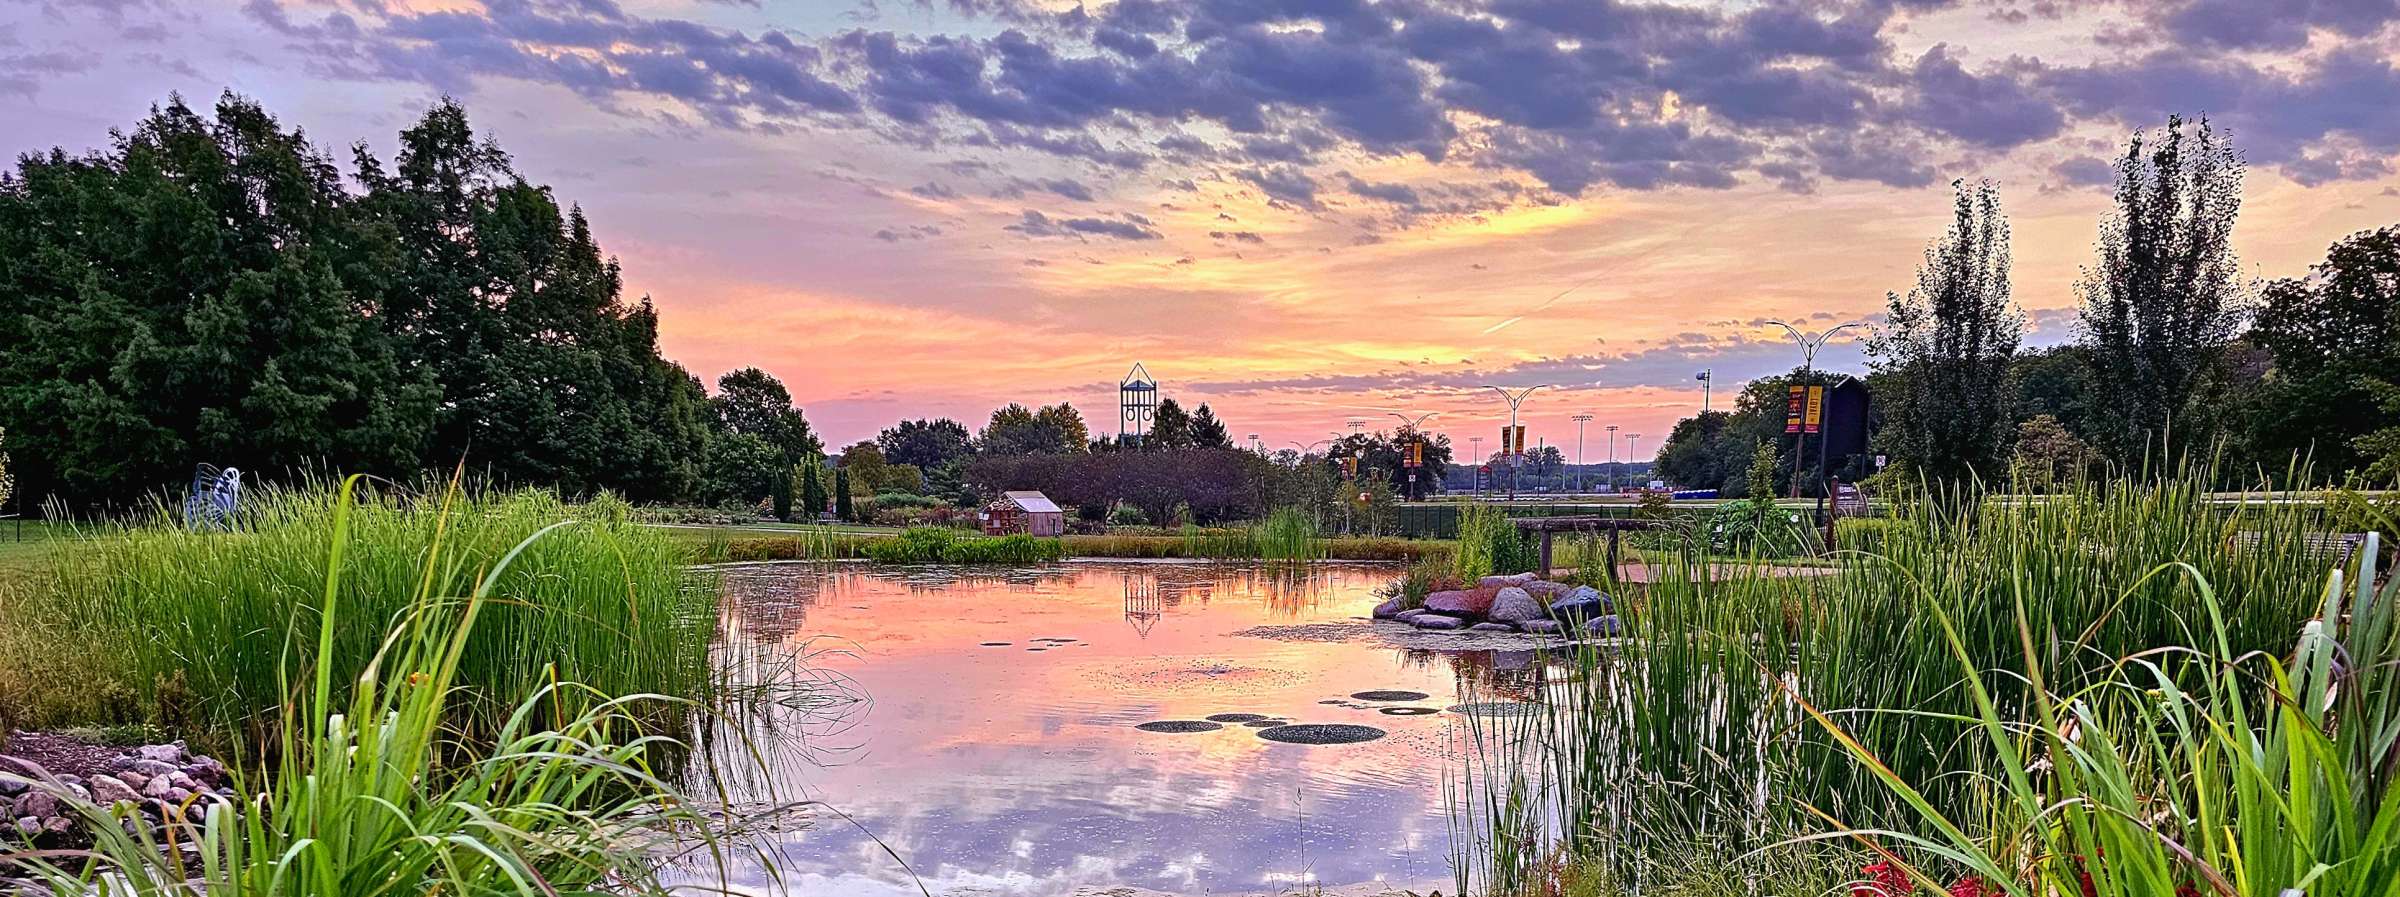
column 1137, row 404
column 216, row 494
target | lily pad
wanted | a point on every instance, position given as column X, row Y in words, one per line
column 1321, row 733
column 1390, row 696
column 1180, row 726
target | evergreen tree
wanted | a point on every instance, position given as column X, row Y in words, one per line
column 1016, row 430
column 812, row 489
column 2163, row 302
column 179, row 298
column 842, row 507
column 1171, row 428
column 1947, row 346
column 1208, row 431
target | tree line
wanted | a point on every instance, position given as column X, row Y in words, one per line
column 2175, row 355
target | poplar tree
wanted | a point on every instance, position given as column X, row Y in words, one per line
column 1947, row 346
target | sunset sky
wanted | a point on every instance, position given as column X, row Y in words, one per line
column 1297, row 211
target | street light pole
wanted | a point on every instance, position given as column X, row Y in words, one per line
column 1515, row 400
column 1808, row 362
column 1413, row 429
column 1580, row 420
column 1475, row 472
column 1612, row 457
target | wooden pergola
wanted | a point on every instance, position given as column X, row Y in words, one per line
column 1613, row 526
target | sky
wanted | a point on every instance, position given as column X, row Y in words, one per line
column 1301, row 212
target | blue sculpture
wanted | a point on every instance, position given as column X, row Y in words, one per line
column 215, row 495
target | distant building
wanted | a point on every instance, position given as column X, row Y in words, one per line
column 1031, row 513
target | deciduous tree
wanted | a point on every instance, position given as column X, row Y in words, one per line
column 1947, row 346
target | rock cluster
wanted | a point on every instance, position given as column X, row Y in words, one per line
column 1516, row 603
column 160, row 782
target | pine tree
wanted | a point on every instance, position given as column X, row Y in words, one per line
column 1208, row 431
column 1170, row 428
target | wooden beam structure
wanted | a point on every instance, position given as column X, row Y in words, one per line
column 1613, row 526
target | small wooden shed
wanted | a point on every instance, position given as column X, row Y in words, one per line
column 1031, row 513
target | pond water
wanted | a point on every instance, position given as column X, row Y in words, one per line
column 997, row 742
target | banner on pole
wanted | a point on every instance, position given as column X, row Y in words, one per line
column 1791, row 410
column 1816, row 408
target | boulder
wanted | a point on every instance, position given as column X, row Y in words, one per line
column 107, row 790
column 1604, row 626
column 1540, row 627
column 1410, row 614
column 1390, row 609
column 1515, row 605
column 1502, row 581
column 1492, row 627
column 1461, row 602
column 38, row 804
column 1545, row 589
column 1583, row 603
column 158, row 787
column 163, row 753
column 1436, row 621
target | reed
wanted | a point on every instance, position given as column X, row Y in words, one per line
column 370, row 794
column 1693, row 733
column 1288, row 535
column 193, row 630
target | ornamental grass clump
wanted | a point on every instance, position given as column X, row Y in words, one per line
column 371, row 791
column 192, row 629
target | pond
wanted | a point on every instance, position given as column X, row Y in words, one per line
column 998, row 743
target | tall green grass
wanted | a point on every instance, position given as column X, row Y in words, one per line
column 370, row 794
column 943, row 545
column 1690, row 736
column 1288, row 534
column 193, row 630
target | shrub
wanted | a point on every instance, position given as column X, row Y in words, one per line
column 932, row 545
column 1747, row 526
column 1489, row 544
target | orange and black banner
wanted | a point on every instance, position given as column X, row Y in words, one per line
column 1791, row 410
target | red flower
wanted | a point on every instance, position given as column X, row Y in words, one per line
column 1883, row 880
column 1973, row 886
column 2187, row 889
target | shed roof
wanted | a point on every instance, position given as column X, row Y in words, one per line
column 1031, row 502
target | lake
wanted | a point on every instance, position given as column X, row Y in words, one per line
column 993, row 745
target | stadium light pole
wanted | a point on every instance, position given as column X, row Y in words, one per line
column 1612, row 458
column 1808, row 363
column 1630, row 454
column 1579, row 419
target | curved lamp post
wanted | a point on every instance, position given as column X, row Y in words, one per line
column 1516, row 400
column 1808, row 362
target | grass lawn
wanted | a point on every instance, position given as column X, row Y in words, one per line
column 25, row 544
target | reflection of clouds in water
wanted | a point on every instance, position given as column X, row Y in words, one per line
column 1009, row 772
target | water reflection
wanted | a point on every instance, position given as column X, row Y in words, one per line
column 991, row 741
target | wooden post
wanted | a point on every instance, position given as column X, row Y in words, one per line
column 1545, row 553
column 1613, row 573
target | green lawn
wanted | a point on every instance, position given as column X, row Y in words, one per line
column 25, row 544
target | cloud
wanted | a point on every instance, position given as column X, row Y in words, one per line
column 1035, row 224
column 1067, row 188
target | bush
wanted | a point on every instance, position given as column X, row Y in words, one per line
column 932, row 544
column 1870, row 535
column 1748, row 526
column 1489, row 544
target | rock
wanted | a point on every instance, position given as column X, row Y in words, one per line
column 1390, row 609
column 1492, row 627
column 1461, row 603
column 29, row 826
column 107, row 790
column 177, row 796
column 155, row 768
column 1515, row 605
column 1604, row 626
column 1512, row 579
column 135, row 779
column 163, row 753
column 1545, row 589
column 1410, row 614
column 1436, row 621
column 38, row 804
column 158, row 787
column 58, row 825
column 1583, row 603
column 1539, row 627
column 11, row 787
column 184, row 782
